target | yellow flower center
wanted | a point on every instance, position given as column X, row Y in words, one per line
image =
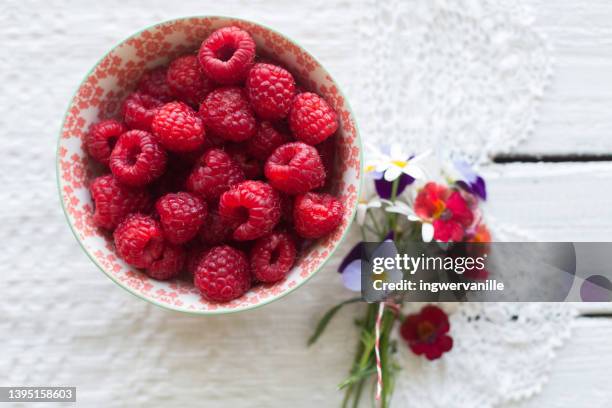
column 399, row 163
column 382, row 277
column 439, row 209
column 369, row 168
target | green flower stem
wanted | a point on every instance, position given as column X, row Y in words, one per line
column 387, row 325
column 363, row 233
column 358, row 392
column 376, row 224
column 363, row 358
column 372, row 230
column 393, row 216
column 347, row 396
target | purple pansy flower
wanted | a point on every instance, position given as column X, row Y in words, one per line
column 350, row 267
column 384, row 187
column 469, row 180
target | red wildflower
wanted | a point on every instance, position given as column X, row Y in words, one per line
column 446, row 209
column 478, row 246
column 481, row 235
column 425, row 332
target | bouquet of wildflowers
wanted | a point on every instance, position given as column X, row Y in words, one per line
column 407, row 198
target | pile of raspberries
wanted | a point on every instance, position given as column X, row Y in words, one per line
column 216, row 170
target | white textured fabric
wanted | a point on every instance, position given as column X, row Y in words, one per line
column 501, row 352
column 465, row 78
column 64, row 323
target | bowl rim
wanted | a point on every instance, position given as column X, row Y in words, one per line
column 178, row 308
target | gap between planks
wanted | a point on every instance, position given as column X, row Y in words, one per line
column 550, row 158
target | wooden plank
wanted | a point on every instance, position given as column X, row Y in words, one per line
column 575, row 114
column 552, row 201
column 581, row 372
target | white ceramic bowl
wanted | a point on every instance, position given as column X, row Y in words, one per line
column 99, row 96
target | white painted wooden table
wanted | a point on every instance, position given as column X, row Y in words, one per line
column 64, row 323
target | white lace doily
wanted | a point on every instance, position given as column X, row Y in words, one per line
column 501, row 353
column 465, row 77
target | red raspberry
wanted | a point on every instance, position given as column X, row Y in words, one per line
column 154, row 83
column 139, row 240
column 227, row 54
column 295, row 168
column 251, row 167
column 253, row 207
column 216, row 230
column 137, row 158
column 169, row 265
column 139, row 109
column 187, row 81
column 181, row 216
column 223, row 274
column 102, row 138
column 266, row 140
column 114, row 201
column 226, row 112
column 316, row 215
column 214, row 174
column 311, row 119
column 178, row 128
column 271, row 90
column 272, row 257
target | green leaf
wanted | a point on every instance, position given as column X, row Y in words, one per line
column 327, row 318
column 353, row 378
column 368, row 339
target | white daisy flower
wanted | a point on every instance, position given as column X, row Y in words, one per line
column 363, row 206
column 396, row 162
